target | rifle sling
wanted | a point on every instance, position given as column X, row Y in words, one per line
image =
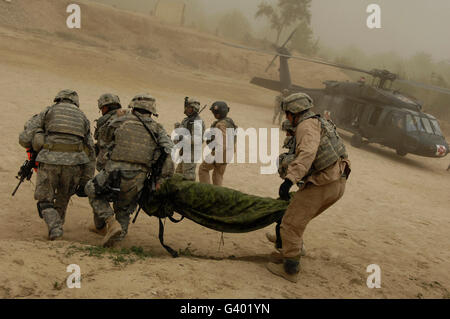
column 161, row 240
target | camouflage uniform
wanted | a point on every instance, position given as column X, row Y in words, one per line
column 61, row 135
column 218, row 168
column 320, row 168
column 286, row 158
column 277, row 111
column 131, row 153
column 188, row 169
column 113, row 103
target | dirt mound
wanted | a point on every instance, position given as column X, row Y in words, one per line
column 110, row 29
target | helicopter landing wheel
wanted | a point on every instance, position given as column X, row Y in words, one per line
column 401, row 152
column 356, row 140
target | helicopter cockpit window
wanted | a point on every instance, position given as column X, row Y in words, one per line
column 410, row 123
column 427, row 125
column 397, row 121
column 436, row 128
column 375, row 116
column 418, row 123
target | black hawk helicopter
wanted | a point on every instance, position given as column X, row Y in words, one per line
column 373, row 113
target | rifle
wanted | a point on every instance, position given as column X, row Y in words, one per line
column 26, row 170
column 202, row 109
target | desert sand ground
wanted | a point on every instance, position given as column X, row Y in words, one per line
column 395, row 212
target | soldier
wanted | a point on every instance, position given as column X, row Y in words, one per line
column 277, row 107
column 191, row 109
column 135, row 142
column 220, row 110
column 109, row 105
column 61, row 135
column 320, row 169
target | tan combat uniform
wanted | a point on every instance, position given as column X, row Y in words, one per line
column 217, row 168
column 321, row 189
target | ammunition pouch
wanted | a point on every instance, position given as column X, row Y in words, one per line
column 41, row 206
column 109, row 187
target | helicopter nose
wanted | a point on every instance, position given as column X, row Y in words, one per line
column 441, row 150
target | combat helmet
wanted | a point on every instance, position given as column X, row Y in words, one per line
column 109, row 99
column 297, row 103
column 192, row 102
column 144, row 102
column 67, row 94
column 220, row 108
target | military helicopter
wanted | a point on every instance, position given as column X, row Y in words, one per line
column 374, row 113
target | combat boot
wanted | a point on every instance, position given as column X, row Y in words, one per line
column 273, row 239
column 101, row 231
column 99, row 226
column 55, row 233
column 276, row 257
column 113, row 231
column 289, row 270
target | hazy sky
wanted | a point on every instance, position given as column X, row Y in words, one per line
column 408, row 26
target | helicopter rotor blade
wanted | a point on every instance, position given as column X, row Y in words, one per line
column 425, row 86
column 271, row 62
column 289, row 38
column 341, row 66
column 284, row 44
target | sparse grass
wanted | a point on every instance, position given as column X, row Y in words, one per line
column 117, row 256
column 187, row 252
column 57, row 285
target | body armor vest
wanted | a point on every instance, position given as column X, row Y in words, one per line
column 101, row 123
column 188, row 123
column 133, row 144
column 331, row 148
column 229, row 123
column 66, row 118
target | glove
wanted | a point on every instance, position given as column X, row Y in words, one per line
column 80, row 191
column 284, row 189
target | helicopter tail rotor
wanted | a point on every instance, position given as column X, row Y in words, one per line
column 282, row 48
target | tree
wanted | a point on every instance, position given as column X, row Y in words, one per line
column 303, row 40
column 234, row 25
column 285, row 14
